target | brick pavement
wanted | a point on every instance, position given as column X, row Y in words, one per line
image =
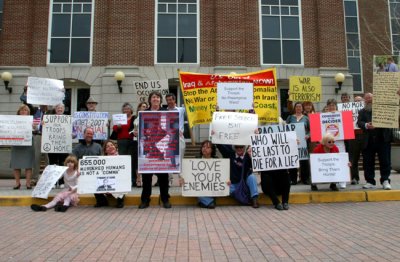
column 313, row 232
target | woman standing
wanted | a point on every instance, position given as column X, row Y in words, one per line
column 141, row 107
column 155, row 100
column 23, row 157
column 299, row 117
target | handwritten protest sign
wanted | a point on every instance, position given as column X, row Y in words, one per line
column 354, row 107
column 15, row 130
column 47, row 180
column 45, row 91
column 56, row 134
column 101, row 174
column 385, row 116
column 119, row 119
column 339, row 124
column 233, row 96
column 159, row 150
column 274, row 151
column 96, row 120
column 200, row 94
column 142, row 89
column 305, row 88
column 205, row 177
column 233, row 128
column 385, row 86
column 296, row 127
column 329, row 168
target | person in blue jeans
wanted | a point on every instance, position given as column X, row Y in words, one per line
column 240, row 165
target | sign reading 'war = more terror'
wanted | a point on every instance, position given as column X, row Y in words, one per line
column 102, row 174
column 56, row 134
column 98, row 121
column 233, row 128
column 200, row 94
column 205, row 177
column 296, row 127
column 45, row 91
column 16, row 130
column 235, row 96
column 274, row 151
column 305, row 88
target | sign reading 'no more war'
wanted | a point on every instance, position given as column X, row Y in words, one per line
column 104, row 174
column 205, row 177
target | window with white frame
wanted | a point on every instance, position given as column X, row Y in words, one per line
column 281, row 40
column 70, row 31
column 353, row 43
column 177, row 31
column 394, row 6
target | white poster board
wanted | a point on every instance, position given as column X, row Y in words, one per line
column 15, row 130
column 96, row 120
column 45, row 91
column 119, row 119
column 274, row 151
column 142, row 89
column 47, row 180
column 105, row 174
column 235, row 96
column 354, row 107
column 296, row 127
column 233, row 128
column 205, row 177
column 56, row 134
column 329, row 168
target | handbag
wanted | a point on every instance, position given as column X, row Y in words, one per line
column 242, row 192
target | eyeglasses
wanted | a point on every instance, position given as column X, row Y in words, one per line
column 331, row 142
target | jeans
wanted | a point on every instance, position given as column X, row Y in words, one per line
column 251, row 182
column 205, row 200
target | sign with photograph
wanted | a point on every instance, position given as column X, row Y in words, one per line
column 96, row 120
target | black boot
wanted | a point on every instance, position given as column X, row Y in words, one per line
column 120, row 202
column 37, row 208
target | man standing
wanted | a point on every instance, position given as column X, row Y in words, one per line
column 391, row 66
column 91, row 104
column 376, row 141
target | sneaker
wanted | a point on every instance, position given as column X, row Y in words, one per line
column 369, row 186
column 285, row 206
column 279, row 207
column 386, row 185
column 342, row 185
column 62, row 186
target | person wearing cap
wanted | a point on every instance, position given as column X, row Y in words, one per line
column 91, row 104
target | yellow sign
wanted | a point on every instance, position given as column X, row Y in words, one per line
column 305, row 88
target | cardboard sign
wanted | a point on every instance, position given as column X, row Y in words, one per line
column 16, row 130
column 119, row 119
column 339, row 124
column 234, row 96
column 105, row 174
column 142, row 89
column 45, row 91
column 56, row 134
column 233, row 128
column 354, row 107
column 385, row 86
column 96, row 120
column 305, row 88
column 47, row 180
column 159, row 143
column 330, row 168
column 205, row 177
column 274, row 151
column 296, row 127
column 385, row 116
column 200, row 94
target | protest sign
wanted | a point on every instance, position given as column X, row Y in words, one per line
column 56, row 134
column 45, row 91
column 96, row 120
column 339, row 124
column 158, row 140
column 385, row 86
column 305, row 88
column 119, row 119
column 354, row 107
column 330, row 168
column 142, row 89
column 297, row 127
column 385, row 116
column 274, row 151
column 15, row 130
column 233, row 128
column 205, row 177
column 47, row 180
column 200, row 94
column 233, row 96
column 102, row 174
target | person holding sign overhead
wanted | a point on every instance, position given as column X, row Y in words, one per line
column 23, row 156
